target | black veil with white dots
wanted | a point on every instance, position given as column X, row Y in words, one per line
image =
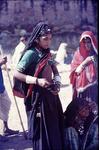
column 40, row 29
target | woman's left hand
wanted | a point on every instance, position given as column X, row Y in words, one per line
column 56, row 89
column 55, row 92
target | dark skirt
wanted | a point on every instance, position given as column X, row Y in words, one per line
column 46, row 121
column 90, row 93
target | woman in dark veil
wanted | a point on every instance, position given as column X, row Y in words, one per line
column 43, row 103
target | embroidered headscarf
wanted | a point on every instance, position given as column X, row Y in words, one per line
column 88, row 75
column 40, row 29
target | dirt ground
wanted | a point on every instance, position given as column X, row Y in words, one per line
column 19, row 142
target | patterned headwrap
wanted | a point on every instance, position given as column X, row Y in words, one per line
column 40, row 29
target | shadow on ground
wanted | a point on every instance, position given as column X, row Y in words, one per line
column 16, row 142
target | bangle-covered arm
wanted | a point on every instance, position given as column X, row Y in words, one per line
column 25, row 78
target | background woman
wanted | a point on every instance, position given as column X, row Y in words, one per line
column 81, row 116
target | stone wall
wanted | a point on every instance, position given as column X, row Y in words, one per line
column 69, row 18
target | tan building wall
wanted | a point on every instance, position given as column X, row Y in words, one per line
column 68, row 18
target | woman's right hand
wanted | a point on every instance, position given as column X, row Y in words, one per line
column 82, row 65
column 43, row 82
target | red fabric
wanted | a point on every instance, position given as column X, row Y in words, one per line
column 88, row 75
column 82, row 48
column 40, row 66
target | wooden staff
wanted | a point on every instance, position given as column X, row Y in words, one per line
column 25, row 135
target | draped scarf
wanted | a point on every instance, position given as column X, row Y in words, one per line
column 39, row 68
column 40, row 29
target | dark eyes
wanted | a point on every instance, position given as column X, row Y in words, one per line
column 46, row 39
column 87, row 40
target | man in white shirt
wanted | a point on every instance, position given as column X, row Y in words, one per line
column 18, row 51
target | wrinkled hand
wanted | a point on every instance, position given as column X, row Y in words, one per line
column 55, row 92
column 43, row 82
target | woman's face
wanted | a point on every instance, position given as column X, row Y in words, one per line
column 88, row 44
column 45, row 41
